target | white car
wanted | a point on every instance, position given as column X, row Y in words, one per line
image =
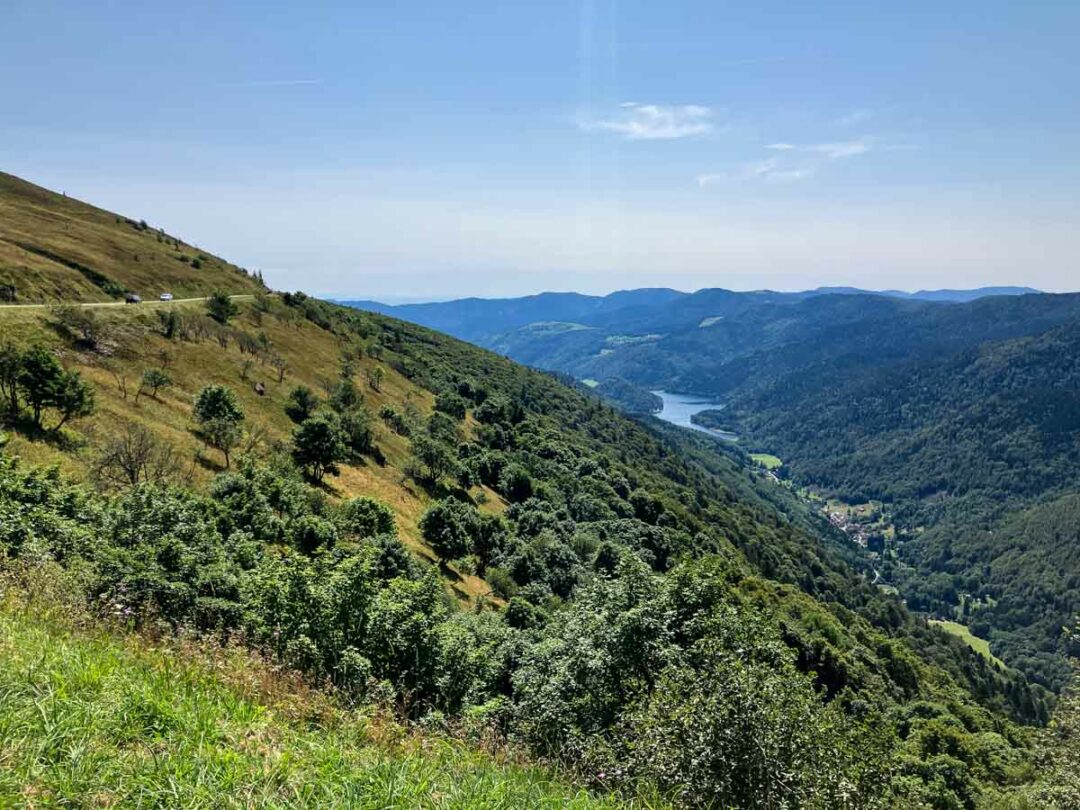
column 166, row 296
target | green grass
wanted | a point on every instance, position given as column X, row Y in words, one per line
column 980, row 645
column 55, row 248
column 312, row 356
column 93, row 719
column 769, row 462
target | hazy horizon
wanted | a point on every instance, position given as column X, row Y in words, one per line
column 496, row 150
column 405, row 300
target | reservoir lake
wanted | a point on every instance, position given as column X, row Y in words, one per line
column 678, row 408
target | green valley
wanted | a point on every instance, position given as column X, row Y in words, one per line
column 401, row 525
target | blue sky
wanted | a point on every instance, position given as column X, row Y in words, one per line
column 417, row 150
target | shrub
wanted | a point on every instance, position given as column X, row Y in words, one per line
column 302, row 403
column 153, row 379
column 135, row 457
column 451, row 404
column 221, row 307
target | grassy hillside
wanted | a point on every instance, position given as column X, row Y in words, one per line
column 93, row 718
column 310, row 354
column 54, row 248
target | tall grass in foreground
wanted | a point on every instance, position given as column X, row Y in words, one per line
column 96, row 719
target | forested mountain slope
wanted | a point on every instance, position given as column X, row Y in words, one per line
column 953, row 409
column 958, row 447
column 430, row 527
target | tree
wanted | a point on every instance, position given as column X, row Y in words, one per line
column 375, row 378
column 135, row 457
column 223, row 435
column 515, row 483
column 221, row 307
column 432, row 459
column 451, row 403
column 344, row 395
column 10, row 370
column 219, row 416
column 1059, row 747
column 356, row 427
column 217, row 402
column 45, row 384
column 302, row 403
column 73, row 398
column 169, row 320
column 39, row 374
column 442, row 428
column 153, row 379
column 367, row 517
column 489, row 540
column 280, row 365
column 450, row 527
column 318, row 444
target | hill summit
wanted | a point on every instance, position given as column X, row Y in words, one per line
column 54, row 248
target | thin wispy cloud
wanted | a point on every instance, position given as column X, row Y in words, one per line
column 275, row 83
column 830, row 151
column 775, row 170
column 654, row 122
column 854, row 117
column 772, row 170
column 792, row 162
column 759, row 60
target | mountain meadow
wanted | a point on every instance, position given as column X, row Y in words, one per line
column 264, row 550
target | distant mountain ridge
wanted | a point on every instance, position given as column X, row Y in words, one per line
column 480, row 319
column 475, row 318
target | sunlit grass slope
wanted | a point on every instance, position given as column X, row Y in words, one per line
column 55, row 248
column 312, row 358
column 96, row 719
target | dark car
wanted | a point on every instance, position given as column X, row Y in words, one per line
column 132, row 298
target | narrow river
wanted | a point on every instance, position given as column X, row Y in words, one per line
column 678, row 408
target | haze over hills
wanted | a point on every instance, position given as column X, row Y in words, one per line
column 481, row 319
column 467, row 543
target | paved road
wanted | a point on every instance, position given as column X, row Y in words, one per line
column 96, row 304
